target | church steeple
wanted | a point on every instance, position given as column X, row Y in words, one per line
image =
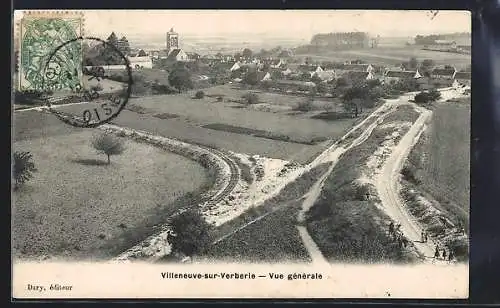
column 172, row 40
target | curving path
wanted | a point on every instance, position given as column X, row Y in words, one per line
column 387, row 185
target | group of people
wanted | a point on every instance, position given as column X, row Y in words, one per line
column 424, row 237
column 397, row 235
column 443, row 255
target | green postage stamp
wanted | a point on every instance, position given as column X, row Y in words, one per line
column 50, row 54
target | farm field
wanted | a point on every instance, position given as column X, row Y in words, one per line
column 204, row 111
column 76, row 206
column 442, row 157
column 176, row 127
column 396, row 55
column 272, row 239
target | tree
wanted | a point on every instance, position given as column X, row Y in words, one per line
column 112, row 39
column 413, row 63
column 354, row 98
column 434, row 95
column 247, row 53
column 23, row 168
column 373, row 83
column 341, row 82
column 108, row 54
column 376, row 93
column 108, row 144
column 428, row 64
column 237, row 56
column 199, row 94
column 180, row 78
column 422, row 98
column 251, row 77
column 250, row 98
column 124, row 47
column 190, row 233
column 316, row 79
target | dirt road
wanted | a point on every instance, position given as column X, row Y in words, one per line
column 387, row 185
column 332, row 155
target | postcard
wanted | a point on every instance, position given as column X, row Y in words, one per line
column 241, row 154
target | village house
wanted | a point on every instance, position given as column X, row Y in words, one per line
column 390, row 76
column 178, row 55
column 294, row 86
column 367, row 68
column 318, row 69
column 263, row 76
column 140, row 62
column 443, row 73
column 461, row 79
column 325, row 76
column 464, row 48
column 442, row 45
column 193, row 56
column 287, row 72
column 140, row 59
column 236, row 66
column 278, row 63
column 357, row 75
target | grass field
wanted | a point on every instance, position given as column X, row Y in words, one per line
column 280, row 135
column 345, row 225
column 75, row 205
column 183, row 129
column 273, row 238
column 203, row 112
column 442, row 157
column 395, row 55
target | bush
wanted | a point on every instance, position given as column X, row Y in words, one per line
column 30, row 97
column 158, row 88
column 98, row 87
column 250, row 98
column 190, row 233
column 23, row 168
column 199, row 94
column 434, row 95
column 180, row 78
column 332, row 116
column 408, row 173
column 304, row 106
column 422, row 98
column 108, row 144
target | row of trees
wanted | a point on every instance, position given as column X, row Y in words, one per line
column 105, row 54
column 358, row 39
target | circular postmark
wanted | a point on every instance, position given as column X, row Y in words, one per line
column 89, row 81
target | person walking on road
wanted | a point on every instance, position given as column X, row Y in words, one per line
column 405, row 242
column 425, row 237
column 436, row 253
column 391, row 228
column 451, row 256
column 444, row 254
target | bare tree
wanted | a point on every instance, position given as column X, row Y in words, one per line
column 108, row 144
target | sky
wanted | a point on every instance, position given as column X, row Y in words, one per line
column 289, row 23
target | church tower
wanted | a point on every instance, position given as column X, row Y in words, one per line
column 172, row 40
